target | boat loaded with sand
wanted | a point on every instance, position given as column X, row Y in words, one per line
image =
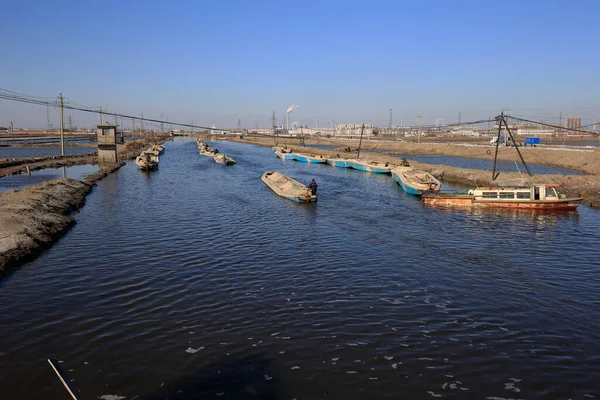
column 371, row 166
column 224, row 159
column 285, row 186
column 159, row 148
column 415, row 181
column 147, row 161
column 536, row 197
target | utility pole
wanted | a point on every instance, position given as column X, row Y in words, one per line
column 142, row 122
column 239, row 124
column 62, row 133
column 390, row 123
column 100, row 107
column 362, row 129
column 12, row 128
column 489, row 122
column 70, row 123
column 317, row 122
column 161, row 123
column 132, row 128
column 273, row 121
column 401, row 123
column 459, row 117
column 332, row 122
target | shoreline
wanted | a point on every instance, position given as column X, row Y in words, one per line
column 32, row 219
column 586, row 161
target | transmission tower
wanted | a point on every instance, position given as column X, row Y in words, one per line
column 239, row 124
column 390, row 123
column 273, row 120
column 161, row 123
column 70, row 123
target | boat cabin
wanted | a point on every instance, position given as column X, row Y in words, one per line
column 533, row 193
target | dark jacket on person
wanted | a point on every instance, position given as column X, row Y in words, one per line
column 313, row 187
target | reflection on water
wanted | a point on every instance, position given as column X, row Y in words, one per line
column 197, row 281
column 19, row 181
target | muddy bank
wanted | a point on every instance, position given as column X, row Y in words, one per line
column 31, row 219
column 587, row 186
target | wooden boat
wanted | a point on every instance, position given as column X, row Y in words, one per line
column 285, row 156
column 207, row 151
column 415, row 181
column 224, row 159
column 152, row 151
column 159, row 148
column 371, row 166
column 285, row 186
column 537, row 197
column 340, row 162
column 309, row 158
column 147, row 161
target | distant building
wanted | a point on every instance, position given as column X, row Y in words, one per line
column 3, row 129
column 573, row 123
column 535, row 131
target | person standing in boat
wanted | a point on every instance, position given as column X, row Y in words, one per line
column 313, row 187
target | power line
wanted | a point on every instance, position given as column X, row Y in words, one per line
column 21, row 98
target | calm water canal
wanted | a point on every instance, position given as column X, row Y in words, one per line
column 196, row 281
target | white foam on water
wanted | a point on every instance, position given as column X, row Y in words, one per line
column 275, row 334
column 511, row 386
column 445, row 385
column 267, row 377
column 191, row 333
column 372, row 378
column 388, row 357
column 285, row 337
column 220, row 393
column 335, row 359
column 515, row 380
column 434, row 394
column 394, row 365
column 449, row 376
column 426, row 358
column 191, row 350
column 503, row 328
column 295, row 367
column 282, row 352
column 351, row 372
column 111, row 397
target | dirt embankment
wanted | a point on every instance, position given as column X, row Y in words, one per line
column 31, row 219
column 584, row 160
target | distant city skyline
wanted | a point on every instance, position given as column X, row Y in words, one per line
column 214, row 63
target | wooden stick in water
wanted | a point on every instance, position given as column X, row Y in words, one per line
column 62, row 375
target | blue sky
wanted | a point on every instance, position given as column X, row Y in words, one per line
column 217, row 61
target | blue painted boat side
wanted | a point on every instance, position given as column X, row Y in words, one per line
column 368, row 168
column 408, row 189
column 311, row 160
column 286, row 156
column 340, row 163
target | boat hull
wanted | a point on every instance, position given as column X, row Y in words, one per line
column 287, row 188
column 340, row 163
column 285, row 156
column 469, row 201
column 366, row 167
column 309, row 159
column 400, row 176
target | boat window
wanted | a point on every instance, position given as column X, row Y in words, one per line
column 551, row 192
column 523, row 195
column 536, row 193
column 507, row 195
column 489, row 195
